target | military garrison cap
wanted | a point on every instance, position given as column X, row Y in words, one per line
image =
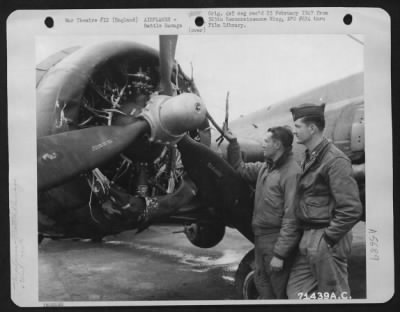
column 307, row 109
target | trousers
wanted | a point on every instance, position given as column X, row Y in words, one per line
column 269, row 284
column 320, row 270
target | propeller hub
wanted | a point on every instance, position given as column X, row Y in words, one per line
column 171, row 117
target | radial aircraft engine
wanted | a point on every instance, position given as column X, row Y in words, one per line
column 109, row 116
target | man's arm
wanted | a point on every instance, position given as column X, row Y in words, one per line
column 290, row 232
column 248, row 171
column 348, row 208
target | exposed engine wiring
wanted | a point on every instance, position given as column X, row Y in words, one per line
column 84, row 123
column 102, row 101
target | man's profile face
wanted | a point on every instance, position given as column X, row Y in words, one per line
column 270, row 146
column 302, row 131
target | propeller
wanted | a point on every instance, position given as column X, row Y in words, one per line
column 225, row 125
column 167, row 56
column 65, row 155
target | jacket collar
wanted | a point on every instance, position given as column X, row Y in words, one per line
column 280, row 161
column 311, row 157
column 315, row 152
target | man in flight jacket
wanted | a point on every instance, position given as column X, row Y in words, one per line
column 328, row 208
column 274, row 222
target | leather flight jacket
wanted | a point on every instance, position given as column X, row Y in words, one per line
column 274, row 200
column 328, row 195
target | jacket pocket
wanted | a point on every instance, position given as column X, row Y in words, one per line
column 316, row 208
column 317, row 201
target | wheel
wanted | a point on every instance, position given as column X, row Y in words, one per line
column 96, row 239
column 205, row 235
column 244, row 278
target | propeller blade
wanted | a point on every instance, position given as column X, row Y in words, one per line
column 219, row 185
column 65, row 155
column 226, row 125
column 218, row 128
column 167, row 56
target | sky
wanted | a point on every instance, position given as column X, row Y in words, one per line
column 257, row 70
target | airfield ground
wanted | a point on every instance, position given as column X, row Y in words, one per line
column 156, row 265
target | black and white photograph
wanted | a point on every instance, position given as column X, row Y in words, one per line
column 191, row 168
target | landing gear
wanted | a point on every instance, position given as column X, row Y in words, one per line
column 205, row 235
column 96, row 239
column 244, row 278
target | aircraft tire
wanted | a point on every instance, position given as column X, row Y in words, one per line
column 96, row 239
column 205, row 235
column 244, row 277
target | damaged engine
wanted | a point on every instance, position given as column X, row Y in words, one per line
column 148, row 170
column 116, row 85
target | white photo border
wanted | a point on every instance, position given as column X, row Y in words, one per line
column 23, row 28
